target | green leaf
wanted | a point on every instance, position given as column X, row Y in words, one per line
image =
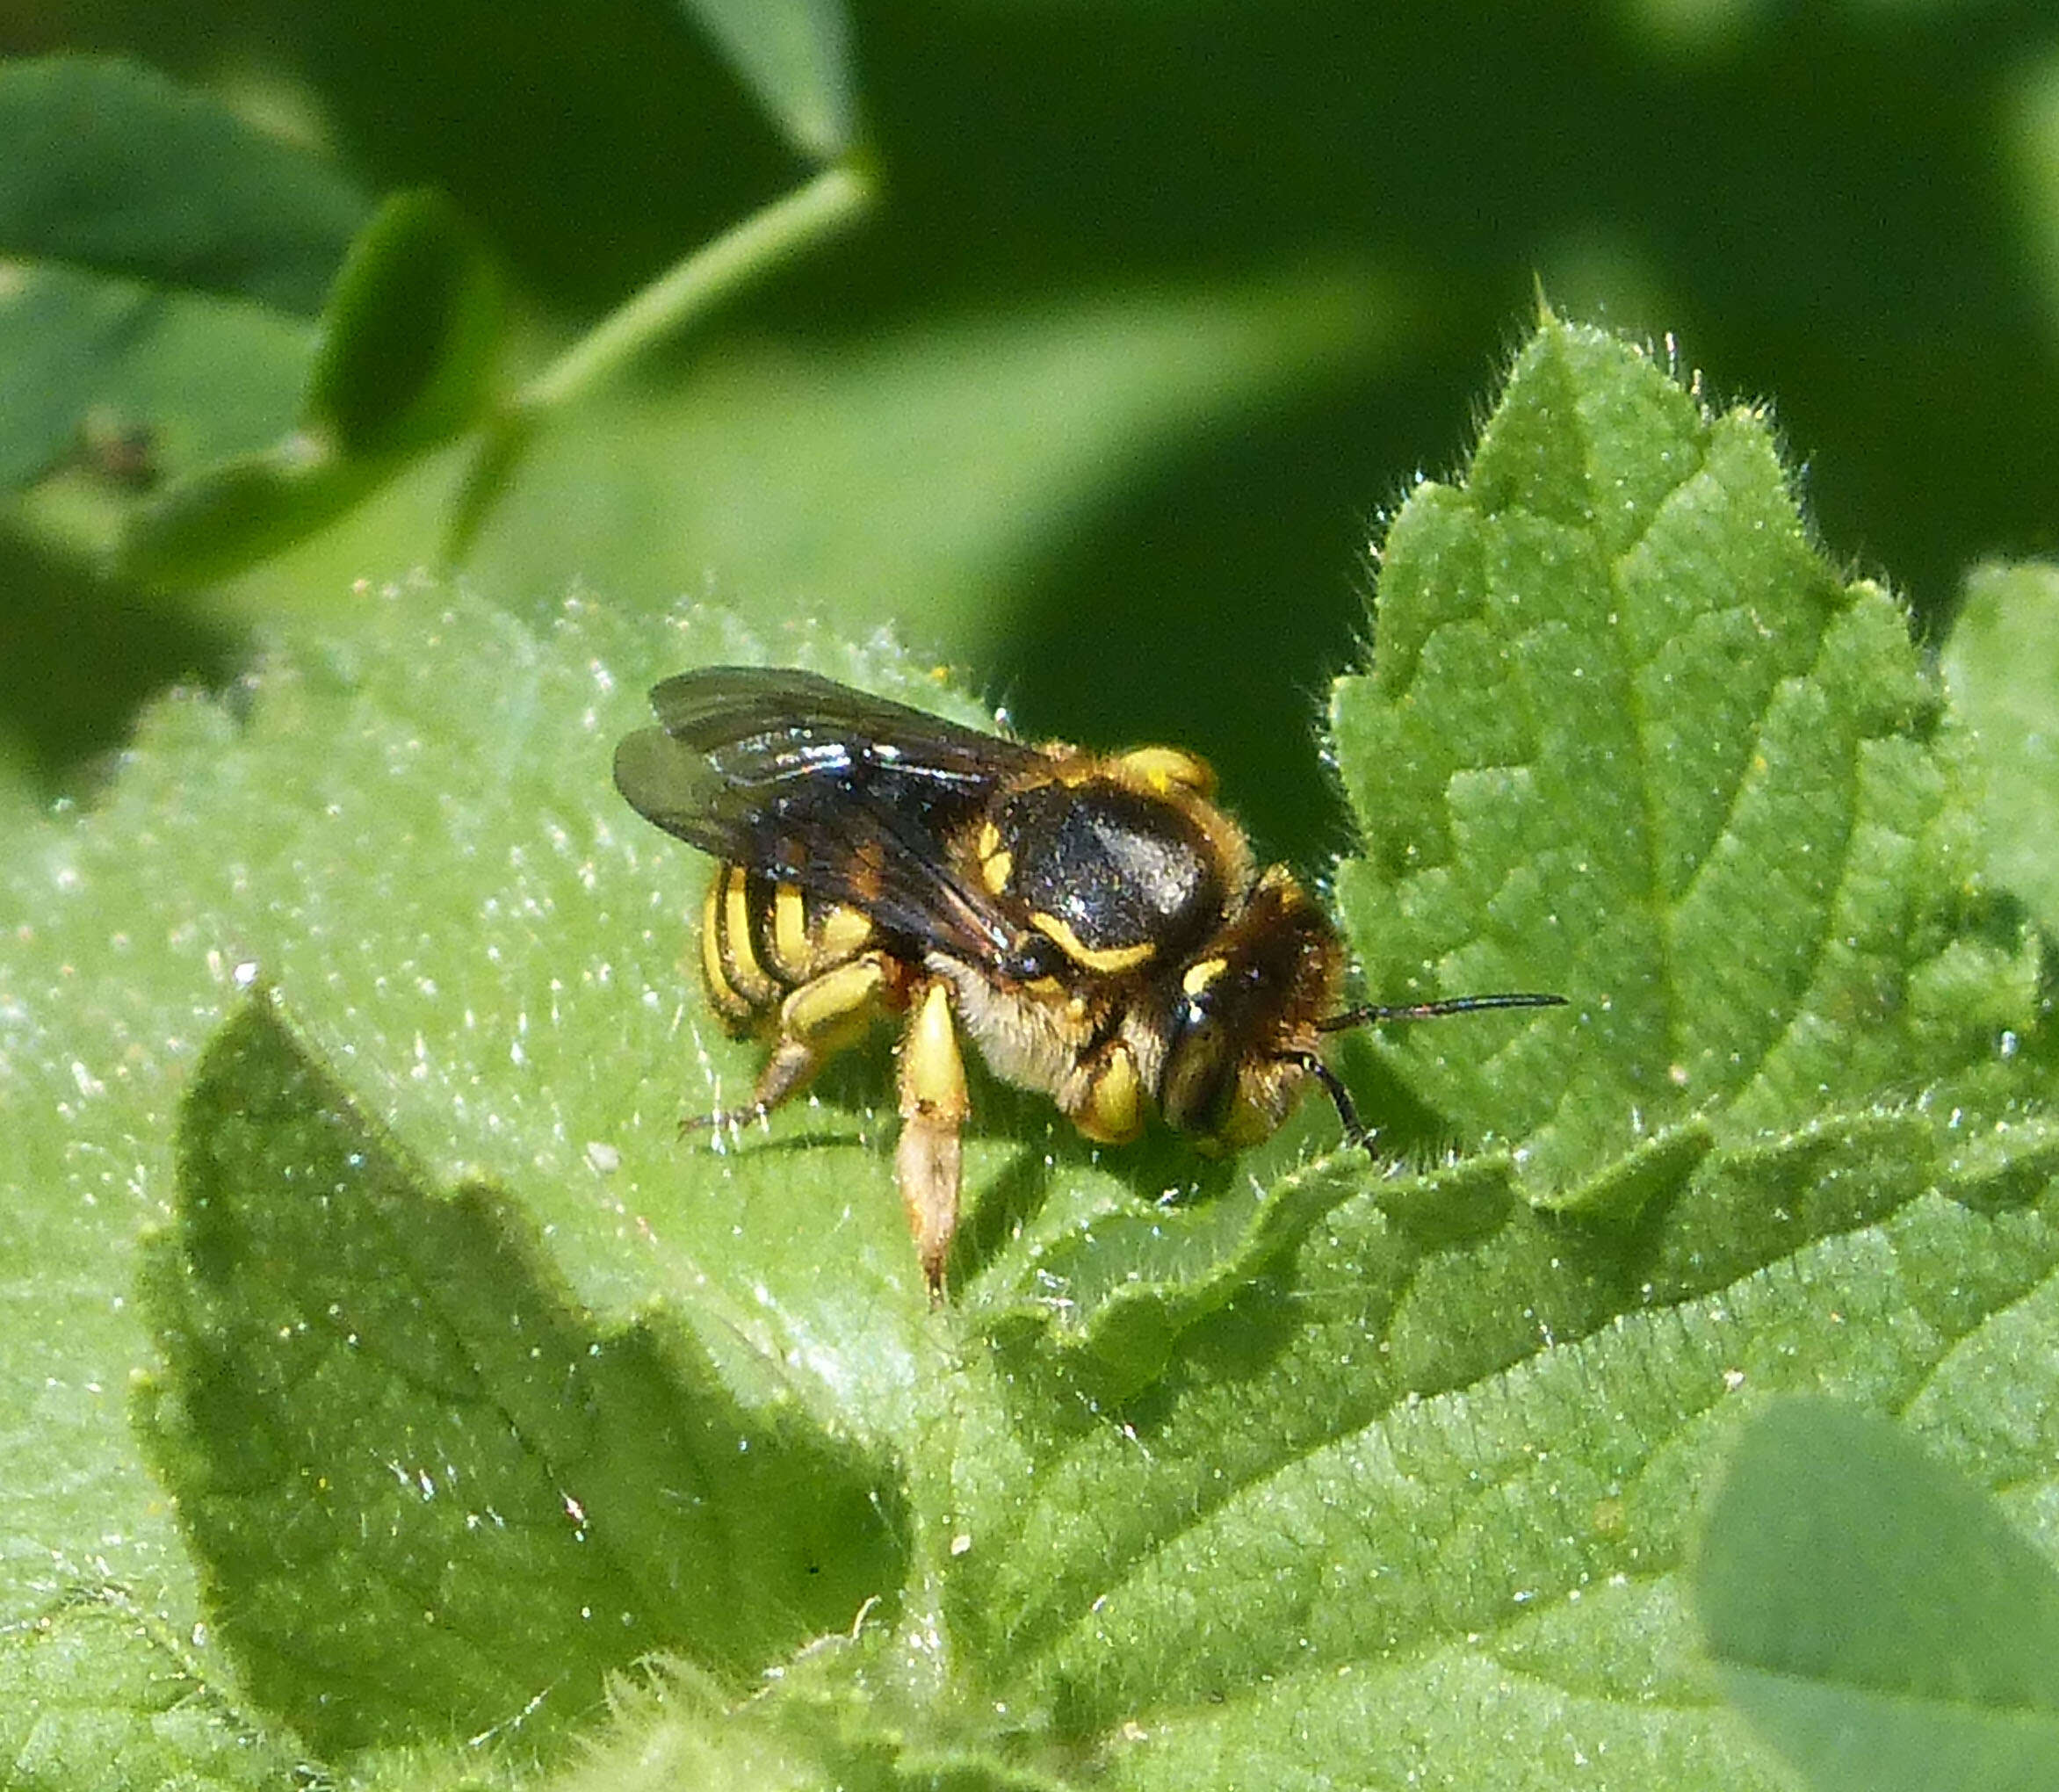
column 165, row 246
column 1455, row 1306
column 1286, row 1563
column 795, row 56
column 2001, row 663
column 134, row 921
column 164, row 260
column 81, row 354
column 1628, row 736
column 1284, row 1471
column 72, row 674
column 218, row 522
column 98, row 1692
column 409, row 333
column 431, row 1496
column 409, row 343
column 1875, row 1616
column 107, row 165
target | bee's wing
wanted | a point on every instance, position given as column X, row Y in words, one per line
column 807, row 781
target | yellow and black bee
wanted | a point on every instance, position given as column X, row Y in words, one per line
column 1095, row 922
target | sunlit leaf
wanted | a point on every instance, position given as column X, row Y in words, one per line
column 1295, row 1470
column 2003, row 665
column 430, row 1496
column 1627, row 735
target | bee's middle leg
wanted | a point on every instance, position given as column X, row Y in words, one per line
column 933, row 1105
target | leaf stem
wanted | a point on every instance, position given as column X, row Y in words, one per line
column 831, row 202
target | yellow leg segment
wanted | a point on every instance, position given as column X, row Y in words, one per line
column 933, row 1106
column 816, row 1021
column 1110, row 1108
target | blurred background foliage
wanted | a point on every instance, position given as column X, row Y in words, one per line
column 1154, row 309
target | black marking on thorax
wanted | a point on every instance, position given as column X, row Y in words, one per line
column 1119, row 867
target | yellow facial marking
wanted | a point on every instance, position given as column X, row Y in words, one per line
column 1165, row 768
column 995, row 869
column 989, row 840
column 1113, row 1112
column 790, row 932
column 1108, row 960
column 1201, row 974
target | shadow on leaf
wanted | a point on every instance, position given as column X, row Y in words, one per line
column 431, row 1494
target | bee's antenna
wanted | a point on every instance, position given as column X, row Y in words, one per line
column 1355, row 1129
column 1433, row 1010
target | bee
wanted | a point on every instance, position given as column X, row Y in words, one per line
column 1094, row 923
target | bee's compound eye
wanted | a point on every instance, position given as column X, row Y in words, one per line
column 1200, row 1073
column 1031, row 958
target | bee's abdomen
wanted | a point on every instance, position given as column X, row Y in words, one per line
column 762, row 939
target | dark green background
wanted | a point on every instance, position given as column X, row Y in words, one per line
column 1840, row 209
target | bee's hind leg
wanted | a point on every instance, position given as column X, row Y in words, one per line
column 790, row 1069
column 816, row 1021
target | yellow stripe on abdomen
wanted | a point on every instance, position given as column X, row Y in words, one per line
column 747, row 974
column 793, row 954
column 760, row 940
column 723, row 995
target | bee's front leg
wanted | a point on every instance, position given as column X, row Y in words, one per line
column 933, row 1107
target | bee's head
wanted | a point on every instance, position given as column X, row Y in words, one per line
column 1242, row 1032
column 1248, row 1012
